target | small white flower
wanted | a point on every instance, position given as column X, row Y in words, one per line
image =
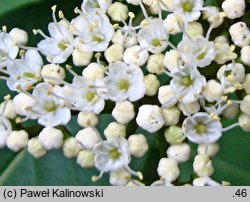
column 189, row 10
column 8, row 50
column 88, row 137
column 168, row 169
column 124, row 82
column 51, row 138
column 187, row 84
column 138, row 145
column 198, row 52
column 201, row 129
column 150, row 118
column 17, row 140
column 203, row 166
column 234, row 9
column 123, row 38
column 93, row 31
column 23, row 73
column 59, row 46
column 111, row 154
column 153, row 37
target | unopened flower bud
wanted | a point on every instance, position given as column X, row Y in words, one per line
column 9, row 111
column 213, row 91
column 93, row 71
column 195, row 29
column 17, row 140
column 87, row 119
column 174, row 135
column 81, row 58
column 244, row 106
column 152, row 84
column 172, row 59
column 203, row 165
column 88, row 137
column 179, row 152
column 138, row 145
column 118, row 11
column 240, row 34
column 115, row 129
column 234, row 9
column 36, row 148
column 155, row 64
column 71, row 147
column 244, row 121
column 119, row 177
column 209, row 149
column 55, row 71
column 86, row 159
column 19, row 36
column 51, row 138
column 114, row 53
column 171, row 115
column 168, row 169
column 245, row 55
column 246, row 84
column 123, row 112
column 135, row 56
column 173, row 24
column 166, row 96
column 231, row 111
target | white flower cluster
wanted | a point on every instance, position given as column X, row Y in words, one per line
column 122, row 63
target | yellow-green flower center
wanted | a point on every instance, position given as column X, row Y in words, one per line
column 29, row 75
column 123, row 84
column 62, row 45
column 156, row 42
column 114, row 154
column 90, row 96
column 200, row 128
column 187, row 81
column 187, row 6
column 49, row 106
column 97, row 39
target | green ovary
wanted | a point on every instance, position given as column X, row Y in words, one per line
column 62, row 45
column 187, row 81
column 123, row 84
column 90, row 96
column 156, row 42
column 97, row 39
column 49, row 106
column 187, row 7
column 200, row 128
column 114, row 154
column 29, row 75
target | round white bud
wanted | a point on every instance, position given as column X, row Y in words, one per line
column 4, row 135
column 231, row 111
column 166, row 96
column 88, row 137
column 87, row 119
column 118, row 11
column 195, row 29
column 119, row 177
column 203, row 165
column 17, row 140
column 86, row 159
column 168, row 169
column 246, row 83
column 19, row 36
column 51, row 138
column 81, row 58
column 22, row 102
column 134, row 2
column 135, row 56
column 123, row 112
column 8, row 107
column 138, row 145
column 244, row 121
column 209, row 149
column 126, row 41
column 245, row 55
column 36, row 148
column 93, row 71
column 244, row 106
column 189, row 108
column 179, row 152
column 240, row 34
column 174, row 135
column 213, row 91
column 152, row 84
column 114, row 53
column 55, row 71
column 71, row 147
column 155, row 64
column 150, row 118
column 115, row 129
column 234, row 9
column 173, row 24
column 171, row 59
column 171, row 115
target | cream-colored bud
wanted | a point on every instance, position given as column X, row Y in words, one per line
column 244, row 121
column 209, row 149
column 189, row 108
column 88, row 137
column 240, row 34
column 245, row 55
column 36, row 148
column 246, row 83
column 174, row 135
column 195, row 29
column 245, row 105
column 152, row 84
column 19, row 36
column 168, row 169
column 119, row 177
column 231, row 111
column 213, row 91
column 135, row 56
column 123, row 112
column 115, row 129
column 203, row 165
column 166, row 96
column 17, row 140
column 51, row 138
column 93, row 71
column 234, row 9
column 86, row 159
column 114, row 53
column 118, row 11
column 87, row 119
column 55, row 71
column 171, row 115
column 9, row 111
column 71, row 147
column 4, row 135
column 179, row 152
column 155, row 64
column 173, row 24
column 138, row 145
column 172, row 59
column 81, row 58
